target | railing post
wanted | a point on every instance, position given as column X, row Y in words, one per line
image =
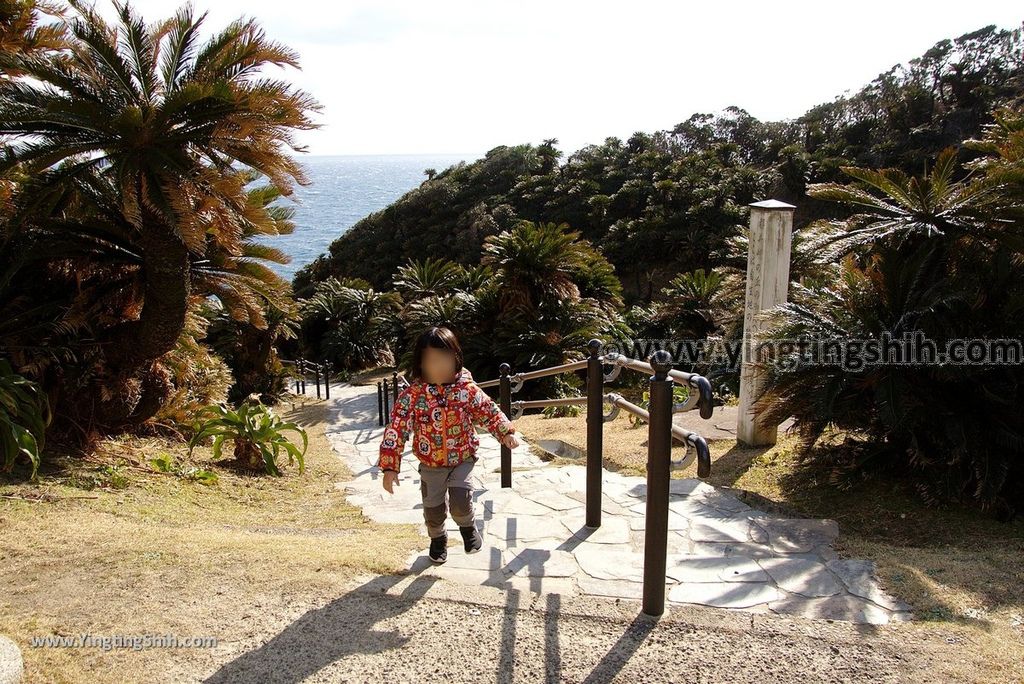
column 316, row 378
column 505, row 403
column 387, row 402
column 769, row 246
column 394, row 386
column 595, row 432
column 380, row 403
column 302, row 374
column 327, row 379
column 659, row 451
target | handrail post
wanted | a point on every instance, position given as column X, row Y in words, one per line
column 394, row 386
column 327, row 379
column 505, row 403
column 316, row 378
column 380, row 403
column 302, row 374
column 387, row 402
column 595, row 432
column 659, row 451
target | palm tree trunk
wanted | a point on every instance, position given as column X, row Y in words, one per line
column 136, row 347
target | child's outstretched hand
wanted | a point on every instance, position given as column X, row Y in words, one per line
column 511, row 441
column 390, row 479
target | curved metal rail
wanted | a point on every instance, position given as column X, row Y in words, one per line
column 704, row 399
column 691, row 439
column 698, row 382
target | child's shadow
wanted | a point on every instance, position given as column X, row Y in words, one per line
column 322, row 636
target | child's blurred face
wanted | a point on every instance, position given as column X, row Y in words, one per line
column 438, row 365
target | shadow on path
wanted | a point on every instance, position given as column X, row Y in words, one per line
column 322, row 636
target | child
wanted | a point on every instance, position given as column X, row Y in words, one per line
column 440, row 406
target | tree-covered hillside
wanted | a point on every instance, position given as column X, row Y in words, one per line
column 663, row 203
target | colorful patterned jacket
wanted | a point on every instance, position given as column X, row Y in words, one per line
column 441, row 418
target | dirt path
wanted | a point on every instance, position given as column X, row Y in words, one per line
column 426, row 629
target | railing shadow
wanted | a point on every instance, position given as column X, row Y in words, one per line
column 322, row 636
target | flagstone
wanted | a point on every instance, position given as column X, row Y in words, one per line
column 523, row 528
column 598, row 561
column 801, row 576
column 798, row 536
column 859, row 578
column 724, row 594
column 536, row 539
column 613, row 530
column 537, row 562
column 554, row 500
column 715, row 569
column 843, row 607
column 609, row 587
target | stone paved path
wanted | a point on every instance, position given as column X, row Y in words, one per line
column 721, row 552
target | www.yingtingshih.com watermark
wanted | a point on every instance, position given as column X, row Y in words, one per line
column 135, row 642
column 912, row 349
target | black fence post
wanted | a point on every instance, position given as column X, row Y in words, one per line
column 327, row 379
column 380, row 403
column 387, row 402
column 505, row 403
column 302, row 374
column 595, row 432
column 659, row 452
column 316, row 378
column 394, row 386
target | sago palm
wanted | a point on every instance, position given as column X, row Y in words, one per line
column 164, row 118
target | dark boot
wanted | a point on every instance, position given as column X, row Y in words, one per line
column 439, row 548
column 471, row 538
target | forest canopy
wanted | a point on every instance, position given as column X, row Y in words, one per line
column 667, row 202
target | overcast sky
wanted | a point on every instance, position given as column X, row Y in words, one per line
column 439, row 76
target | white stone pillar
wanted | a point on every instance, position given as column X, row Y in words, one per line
column 769, row 247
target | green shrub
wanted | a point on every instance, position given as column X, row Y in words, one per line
column 257, row 433
column 24, row 416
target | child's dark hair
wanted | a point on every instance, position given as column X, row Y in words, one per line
column 437, row 337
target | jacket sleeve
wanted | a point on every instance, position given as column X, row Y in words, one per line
column 486, row 413
column 395, row 432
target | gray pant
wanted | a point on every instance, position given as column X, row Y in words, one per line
column 435, row 483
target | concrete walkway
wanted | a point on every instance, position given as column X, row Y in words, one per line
column 722, row 553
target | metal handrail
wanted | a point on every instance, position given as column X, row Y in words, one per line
column 691, row 439
column 705, row 399
column 318, row 370
column 519, row 406
column 520, row 378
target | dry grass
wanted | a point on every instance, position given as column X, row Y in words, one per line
column 962, row 573
column 110, row 547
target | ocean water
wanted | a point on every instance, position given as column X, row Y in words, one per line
column 344, row 189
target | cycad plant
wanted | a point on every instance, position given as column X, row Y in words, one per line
column 934, row 255
column 552, row 292
column 166, row 121
column 352, row 324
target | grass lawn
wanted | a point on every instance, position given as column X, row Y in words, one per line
column 108, row 546
column 961, row 572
